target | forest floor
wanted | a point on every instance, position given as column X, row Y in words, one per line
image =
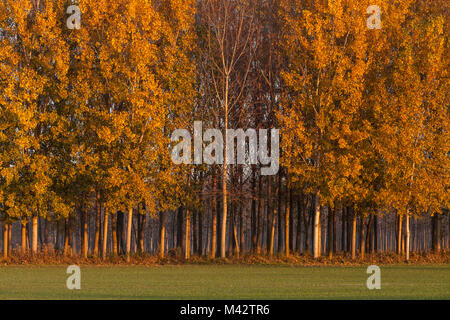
column 225, row 282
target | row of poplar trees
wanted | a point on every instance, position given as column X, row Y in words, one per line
column 87, row 116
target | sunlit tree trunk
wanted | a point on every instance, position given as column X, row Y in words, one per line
column 34, row 242
column 105, row 235
column 353, row 234
column 23, row 233
column 317, row 232
column 129, row 225
column 407, row 236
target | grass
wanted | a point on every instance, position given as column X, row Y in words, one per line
column 225, row 282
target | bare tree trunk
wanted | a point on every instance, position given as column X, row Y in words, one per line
column 34, row 242
column 105, row 235
column 317, row 232
column 187, row 241
column 66, row 236
column 97, row 223
column 162, row 233
column 114, row 232
column 407, row 236
column 214, row 222
column 299, row 223
column 353, row 234
column 129, row 226
column 362, row 237
column 24, row 236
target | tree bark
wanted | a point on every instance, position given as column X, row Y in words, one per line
column 407, row 236
column 129, row 226
column 24, row 236
column 353, row 234
column 362, row 237
column 34, row 243
column 317, row 232
column 187, row 241
column 105, row 235
column 97, row 222
column 162, row 233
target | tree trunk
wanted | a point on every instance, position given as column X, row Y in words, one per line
column 214, row 223
column 353, row 234
column 97, row 223
column 24, row 236
column 66, row 236
column 114, row 233
column 200, row 233
column 34, row 242
column 105, row 235
column 129, row 226
column 362, row 237
column 407, row 236
column 317, row 232
column 375, row 233
column 187, row 240
column 162, row 233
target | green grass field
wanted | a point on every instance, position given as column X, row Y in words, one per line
column 225, row 282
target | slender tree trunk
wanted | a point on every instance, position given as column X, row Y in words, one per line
column 187, row 241
column 317, row 232
column 162, row 233
column 97, row 223
column 114, row 232
column 269, row 217
column 214, row 222
column 66, row 236
column 105, row 235
column 34, row 243
column 129, row 226
column 407, row 236
column 362, row 237
column 299, row 223
column 23, row 234
column 353, row 234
